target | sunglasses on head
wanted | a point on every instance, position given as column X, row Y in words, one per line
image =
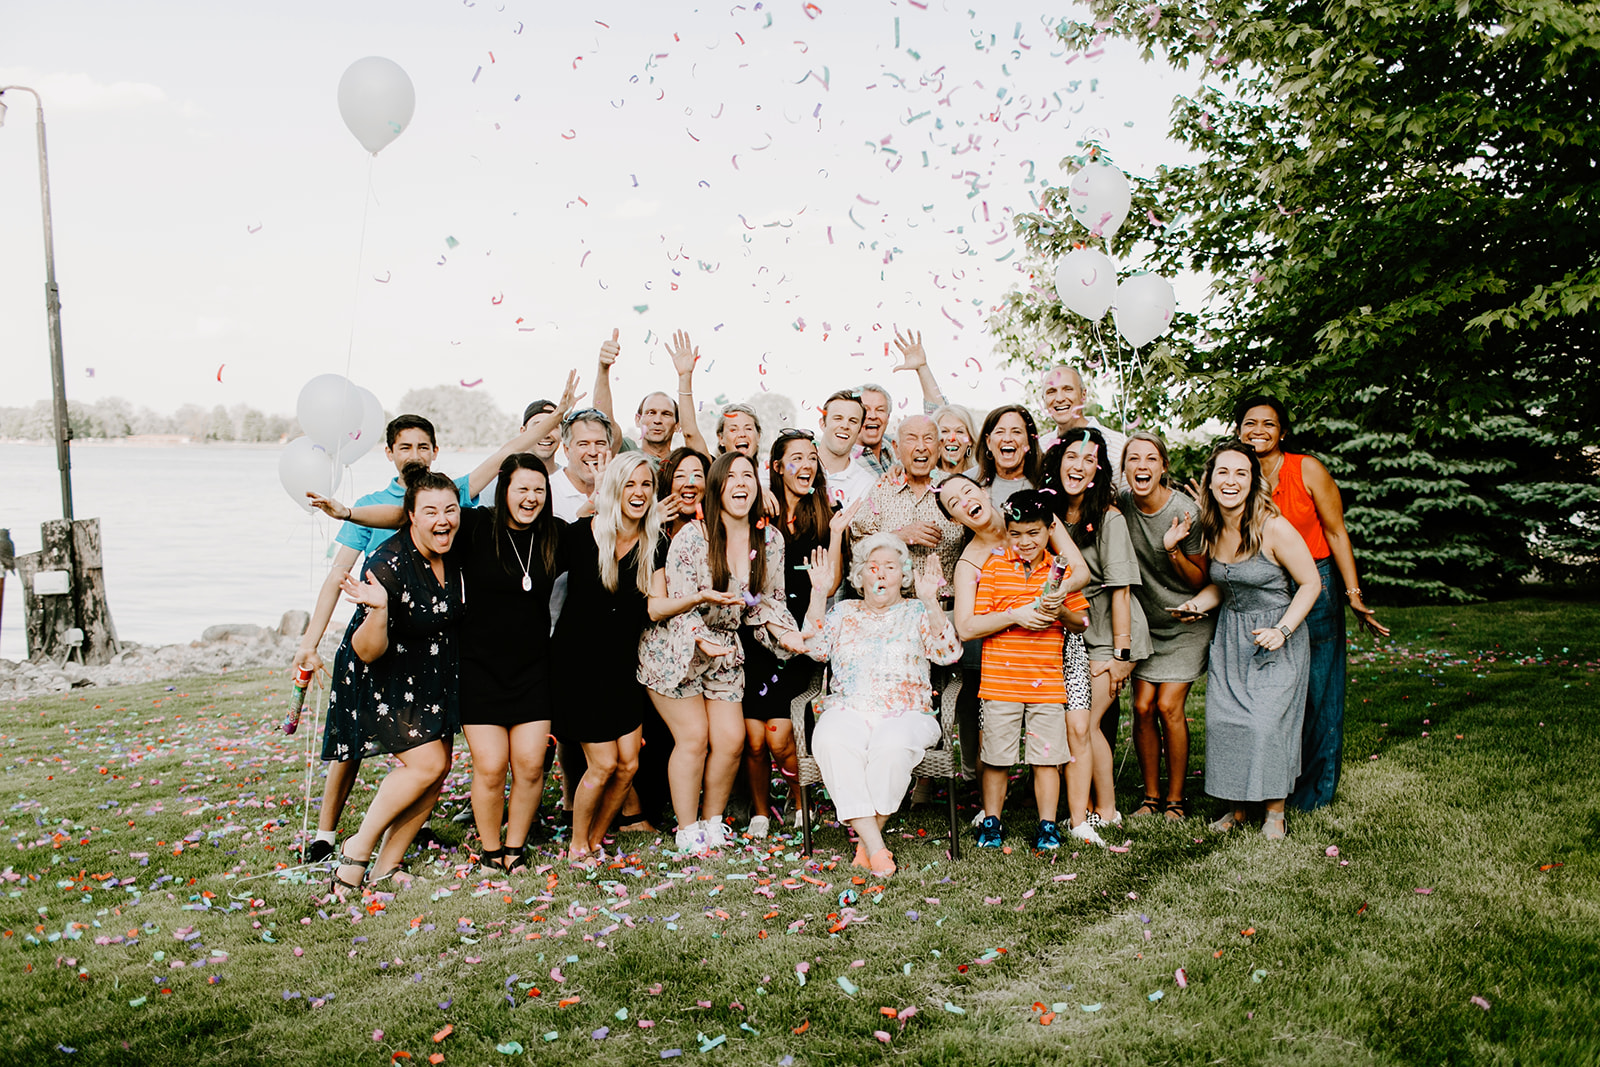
column 793, row 433
column 586, row 414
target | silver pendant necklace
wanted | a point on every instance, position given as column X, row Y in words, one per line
column 527, row 582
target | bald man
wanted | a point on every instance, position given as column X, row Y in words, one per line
column 1064, row 400
column 903, row 502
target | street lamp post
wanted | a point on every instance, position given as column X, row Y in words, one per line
column 52, row 302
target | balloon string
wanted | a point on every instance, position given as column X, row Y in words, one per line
column 361, row 249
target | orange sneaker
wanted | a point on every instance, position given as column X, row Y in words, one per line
column 882, row 863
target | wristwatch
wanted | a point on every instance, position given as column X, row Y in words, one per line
column 1123, row 654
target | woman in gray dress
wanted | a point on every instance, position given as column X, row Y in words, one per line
column 1260, row 657
column 1172, row 567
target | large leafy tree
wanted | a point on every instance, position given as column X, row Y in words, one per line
column 1395, row 202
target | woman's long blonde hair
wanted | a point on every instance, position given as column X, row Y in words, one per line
column 609, row 521
column 1259, row 507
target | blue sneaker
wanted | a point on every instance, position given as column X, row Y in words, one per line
column 1047, row 837
column 990, row 834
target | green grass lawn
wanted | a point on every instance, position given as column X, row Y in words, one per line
column 1459, row 921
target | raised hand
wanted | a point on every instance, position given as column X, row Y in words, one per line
column 1181, row 525
column 911, row 350
column 610, row 350
column 369, row 594
column 928, row 580
column 820, row 566
column 328, row 506
column 841, row 518
column 570, row 395
column 683, row 352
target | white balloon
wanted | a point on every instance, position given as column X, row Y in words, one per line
column 370, row 435
column 330, row 410
column 305, row 466
column 1086, row 282
column 1145, row 305
column 376, row 100
column 1099, row 197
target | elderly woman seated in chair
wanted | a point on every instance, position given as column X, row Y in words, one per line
column 877, row 719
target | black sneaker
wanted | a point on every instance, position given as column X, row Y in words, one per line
column 318, row 851
column 990, row 833
column 1048, row 836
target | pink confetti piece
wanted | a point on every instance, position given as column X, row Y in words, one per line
column 1480, row 1002
column 1181, row 976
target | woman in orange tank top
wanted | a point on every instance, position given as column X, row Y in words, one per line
column 1308, row 497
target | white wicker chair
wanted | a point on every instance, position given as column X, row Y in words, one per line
column 939, row 762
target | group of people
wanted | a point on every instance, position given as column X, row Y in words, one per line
column 656, row 608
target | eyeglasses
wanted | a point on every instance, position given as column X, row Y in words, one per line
column 795, row 432
column 587, row 415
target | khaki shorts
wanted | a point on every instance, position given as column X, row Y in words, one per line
column 1006, row 723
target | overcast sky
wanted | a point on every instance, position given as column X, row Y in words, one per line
column 648, row 166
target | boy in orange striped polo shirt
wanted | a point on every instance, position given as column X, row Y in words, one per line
column 1017, row 610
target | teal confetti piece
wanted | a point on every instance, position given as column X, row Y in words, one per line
column 552, row 1035
column 849, row 987
column 1257, row 976
column 451, row 242
column 1091, row 1007
column 906, row 969
column 137, row 1002
column 641, row 308
column 510, row 1048
column 707, row 1044
column 954, row 1009
column 621, row 1015
column 1157, row 995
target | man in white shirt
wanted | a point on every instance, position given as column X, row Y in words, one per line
column 842, row 416
column 1064, row 398
column 586, row 440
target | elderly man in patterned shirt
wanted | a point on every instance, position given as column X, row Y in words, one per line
column 903, row 502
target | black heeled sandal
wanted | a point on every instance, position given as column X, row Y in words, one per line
column 514, row 859
column 1179, row 806
column 336, row 884
column 492, row 859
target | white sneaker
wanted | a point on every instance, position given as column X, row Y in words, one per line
column 691, row 838
column 716, row 833
column 760, row 826
column 1086, row 833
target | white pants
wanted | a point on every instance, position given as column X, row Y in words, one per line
column 866, row 763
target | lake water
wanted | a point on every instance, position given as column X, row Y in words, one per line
column 193, row 535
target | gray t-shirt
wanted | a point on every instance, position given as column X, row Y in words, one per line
column 1112, row 565
column 1000, row 489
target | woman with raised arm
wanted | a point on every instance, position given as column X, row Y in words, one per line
column 510, row 556
column 409, row 606
column 1260, row 652
column 1172, row 566
column 681, row 489
column 1008, row 453
column 1080, row 476
column 719, row 573
column 610, row 561
column 877, row 720
column 800, row 486
column 1307, row 496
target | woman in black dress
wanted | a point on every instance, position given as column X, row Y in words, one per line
column 510, row 556
column 404, row 634
column 610, row 558
column 800, row 486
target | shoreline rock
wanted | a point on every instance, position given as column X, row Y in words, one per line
column 220, row 650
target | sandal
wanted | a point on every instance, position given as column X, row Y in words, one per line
column 514, row 858
column 1181, row 807
column 491, row 859
column 882, row 863
column 1275, row 826
column 336, row 884
column 1148, row 806
column 1227, row 822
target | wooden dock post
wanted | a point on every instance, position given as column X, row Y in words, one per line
column 63, row 589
